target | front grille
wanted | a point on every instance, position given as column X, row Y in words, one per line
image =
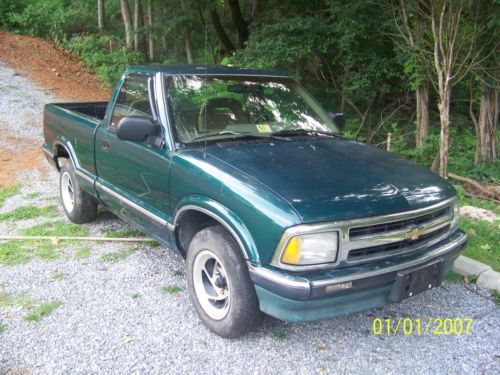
column 379, row 229
column 396, row 247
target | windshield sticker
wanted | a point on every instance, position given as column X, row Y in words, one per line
column 264, row 128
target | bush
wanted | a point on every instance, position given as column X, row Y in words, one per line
column 103, row 55
column 49, row 19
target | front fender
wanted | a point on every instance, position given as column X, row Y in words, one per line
column 224, row 216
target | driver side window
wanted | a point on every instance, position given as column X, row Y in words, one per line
column 133, row 99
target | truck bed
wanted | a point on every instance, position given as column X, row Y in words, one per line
column 92, row 109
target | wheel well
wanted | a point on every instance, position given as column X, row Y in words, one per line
column 190, row 223
column 60, row 153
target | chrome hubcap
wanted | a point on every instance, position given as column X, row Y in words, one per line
column 67, row 192
column 211, row 285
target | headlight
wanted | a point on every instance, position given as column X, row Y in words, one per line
column 311, row 249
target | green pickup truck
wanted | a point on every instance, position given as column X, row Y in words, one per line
column 244, row 174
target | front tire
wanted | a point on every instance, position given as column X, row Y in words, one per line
column 219, row 284
column 79, row 206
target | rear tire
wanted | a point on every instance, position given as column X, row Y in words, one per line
column 78, row 205
column 219, row 284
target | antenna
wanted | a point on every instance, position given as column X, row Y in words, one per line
column 205, row 88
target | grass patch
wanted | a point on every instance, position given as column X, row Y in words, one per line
column 56, row 228
column 58, row 276
column 152, row 243
column 7, row 193
column 484, row 241
column 82, row 253
column 13, row 252
column 454, row 277
column 171, row 289
column 125, row 233
column 117, row 255
column 280, row 335
column 29, row 212
column 3, row 328
column 19, row 252
column 177, row 273
column 42, row 311
column 33, row 195
column 135, row 296
column 22, row 300
column 496, row 297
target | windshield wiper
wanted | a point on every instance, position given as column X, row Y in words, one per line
column 229, row 132
column 299, row 132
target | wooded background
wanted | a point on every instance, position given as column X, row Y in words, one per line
column 425, row 71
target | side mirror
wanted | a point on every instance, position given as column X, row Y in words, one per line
column 137, row 128
column 338, row 119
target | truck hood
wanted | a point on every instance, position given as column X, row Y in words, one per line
column 335, row 179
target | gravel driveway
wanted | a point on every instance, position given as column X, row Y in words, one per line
column 124, row 308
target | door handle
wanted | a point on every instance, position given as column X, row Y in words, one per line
column 105, row 144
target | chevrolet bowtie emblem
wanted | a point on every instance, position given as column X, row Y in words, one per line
column 414, row 234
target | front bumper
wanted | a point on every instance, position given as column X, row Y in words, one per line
column 296, row 297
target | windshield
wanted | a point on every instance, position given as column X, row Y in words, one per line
column 218, row 108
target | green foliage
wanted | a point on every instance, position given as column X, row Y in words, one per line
column 29, row 212
column 42, row 311
column 484, row 241
column 58, row 276
column 104, row 55
column 82, row 253
column 3, row 328
column 56, row 228
column 117, row 255
column 171, row 289
column 50, row 19
column 123, row 233
column 7, row 193
column 454, row 277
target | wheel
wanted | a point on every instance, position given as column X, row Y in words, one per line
column 219, row 284
column 79, row 206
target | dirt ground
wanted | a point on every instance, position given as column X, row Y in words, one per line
column 53, row 69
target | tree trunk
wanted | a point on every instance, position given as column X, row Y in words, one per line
column 239, row 22
column 139, row 39
column 187, row 44
column 100, row 14
column 422, row 93
column 487, row 124
column 151, row 42
column 127, row 23
column 444, row 115
column 219, row 30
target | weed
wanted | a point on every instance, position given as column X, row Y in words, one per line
column 29, row 212
column 58, row 276
column 56, row 228
column 484, row 241
column 42, row 311
column 33, row 195
column 496, row 297
column 22, row 300
column 117, row 256
column 3, row 328
column 83, row 252
column 18, row 252
column 124, row 233
column 177, row 273
column 7, row 193
column 135, row 295
column 454, row 277
column 171, row 289
column 280, row 335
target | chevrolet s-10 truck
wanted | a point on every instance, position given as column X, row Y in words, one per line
column 246, row 175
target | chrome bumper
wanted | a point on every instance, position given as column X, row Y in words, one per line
column 299, row 287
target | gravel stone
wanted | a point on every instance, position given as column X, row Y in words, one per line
column 101, row 328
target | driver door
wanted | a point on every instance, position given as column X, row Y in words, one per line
column 133, row 177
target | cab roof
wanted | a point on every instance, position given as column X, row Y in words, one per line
column 202, row 69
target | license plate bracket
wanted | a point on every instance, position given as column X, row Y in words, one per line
column 411, row 282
